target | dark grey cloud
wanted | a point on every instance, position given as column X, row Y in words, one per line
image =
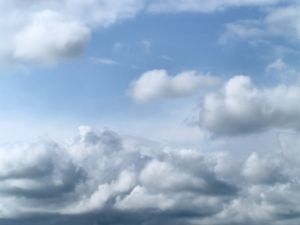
column 101, row 177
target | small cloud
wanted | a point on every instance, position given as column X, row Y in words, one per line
column 166, row 57
column 104, row 61
column 240, row 107
column 146, row 45
column 133, row 66
column 278, row 65
column 117, row 46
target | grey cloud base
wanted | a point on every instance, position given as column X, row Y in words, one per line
column 100, row 177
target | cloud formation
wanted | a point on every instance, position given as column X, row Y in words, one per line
column 101, row 177
column 49, row 38
column 240, row 107
column 158, row 84
column 49, row 31
column 278, row 22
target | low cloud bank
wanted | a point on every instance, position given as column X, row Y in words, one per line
column 101, row 177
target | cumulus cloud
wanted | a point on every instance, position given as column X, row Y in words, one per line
column 101, row 177
column 158, row 84
column 49, row 31
column 240, row 107
column 49, row 38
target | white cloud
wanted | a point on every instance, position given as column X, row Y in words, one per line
column 239, row 108
column 49, row 31
column 28, row 29
column 158, row 84
column 49, row 38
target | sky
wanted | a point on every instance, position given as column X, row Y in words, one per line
column 141, row 112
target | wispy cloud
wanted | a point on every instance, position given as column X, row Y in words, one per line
column 104, row 61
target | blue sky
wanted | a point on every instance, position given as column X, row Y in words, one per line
column 149, row 112
column 90, row 92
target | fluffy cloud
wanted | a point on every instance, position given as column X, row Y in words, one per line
column 158, row 84
column 49, row 31
column 100, row 177
column 239, row 108
column 49, row 38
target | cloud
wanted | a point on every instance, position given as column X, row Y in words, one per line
column 104, row 61
column 49, row 31
column 170, row 6
column 146, row 46
column 100, row 170
column 35, row 173
column 277, row 65
column 277, row 22
column 100, row 177
column 49, row 38
column 241, row 108
column 158, row 84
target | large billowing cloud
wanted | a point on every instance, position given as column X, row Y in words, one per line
column 101, row 177
column 158, row 84
column 240, row 107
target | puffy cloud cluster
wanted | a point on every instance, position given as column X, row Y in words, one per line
column 100, row 177
column 48, row 31
column 158, row 84
column 239, row 107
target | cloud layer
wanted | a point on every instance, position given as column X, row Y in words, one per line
column 100, row 177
